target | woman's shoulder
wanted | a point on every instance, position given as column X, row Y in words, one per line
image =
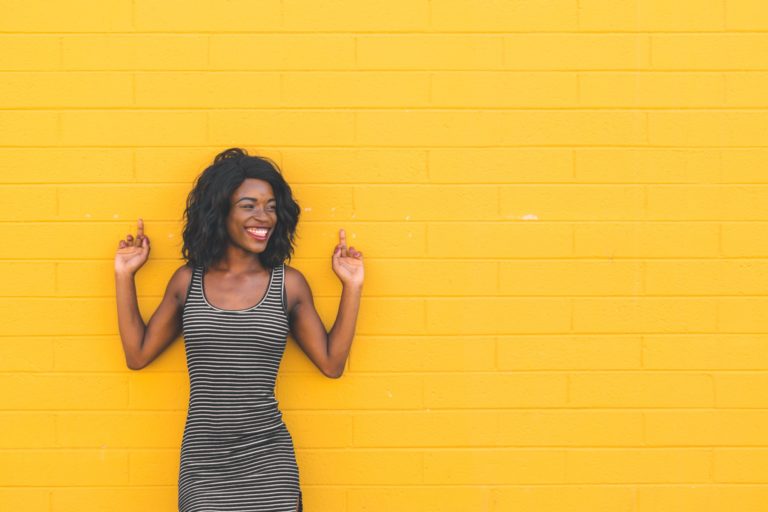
column 181, row 281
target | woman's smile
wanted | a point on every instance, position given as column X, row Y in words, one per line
column 258, row 233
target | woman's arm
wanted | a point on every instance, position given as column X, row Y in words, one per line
column 143, row 343
column 328, row 350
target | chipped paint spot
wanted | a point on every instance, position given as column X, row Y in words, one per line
column 407, row 217
column 308, row 209
column 87, row 215
column 115, row 216
column 530, row 216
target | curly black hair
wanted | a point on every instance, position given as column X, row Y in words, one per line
column 208, row 204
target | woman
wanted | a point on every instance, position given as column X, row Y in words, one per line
column 235, row 301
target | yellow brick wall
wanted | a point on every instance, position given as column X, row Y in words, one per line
column 563, row 206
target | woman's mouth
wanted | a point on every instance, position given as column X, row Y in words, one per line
column 259, row 234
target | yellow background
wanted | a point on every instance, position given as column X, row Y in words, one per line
column 563, row 206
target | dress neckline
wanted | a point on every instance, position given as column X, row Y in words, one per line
column 205, row 299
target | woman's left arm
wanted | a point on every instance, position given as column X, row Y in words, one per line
column 329, row 350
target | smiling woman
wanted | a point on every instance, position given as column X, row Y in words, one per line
column 236, row 301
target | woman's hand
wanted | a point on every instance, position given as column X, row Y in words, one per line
column 132, row 252
column 347, row 263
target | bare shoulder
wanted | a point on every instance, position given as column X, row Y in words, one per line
column 294, row 279
column 179, row 283
column 296, row 288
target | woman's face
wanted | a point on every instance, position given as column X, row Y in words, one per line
column 252, row 215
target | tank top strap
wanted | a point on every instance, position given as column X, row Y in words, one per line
column 276, row 283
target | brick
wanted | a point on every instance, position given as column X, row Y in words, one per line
column 500, row 165
column 429, row 202
column 732, row 51
column 744, row 165
column 628, row 389
column 281, row 51
column 650, row 15
column 348, row 165
column 429, row 498
column 552, row 498
column 495, row 390
column 26, row 354
column 651, row 90
column 706, row 428
column 207, row 89
column 569, row 428
column 569, row 352
column 182, row 165
column 101, row 429
column 572, row 202
column 500, row 16
column 697, row 129
column 29, row 128
column 429, row 51
column 326, row 203
column 397, row 239
column 570, row 277
column 576, row 51
column 63, row 316
column 744, row 239
column 30, row 52
column 494, row 467
column 355, row 89
column 127, row 128
column 27, row 278
column 66, row 90
column 237, row 128
column 646, row 240
column 745, row 15
column 348, row 15
column 134, row 52
column 422, row 354
column 368, row 467
column 651, row 165
column 319, row 429
column 494, row 89
column 703, row 498
column 28, row 202
column 639, row 466
column 107, row 353
column 383, row 391
column 154, row 467
column 117, row 499
column 706, row 351
column 63, row 391
column 425, row 429
column 644, row 314
column 207, row 16
column 742, row 314
column 107, row 202
column 734, row 465
column 23, row 468
column 28, row 430
column 74, row 16
column 530, row 240
column 25, row 499
column 158, row 391
column 65, row 165
column 745, row 389
column 744, row 89
column 703, row 277
column 498, row 315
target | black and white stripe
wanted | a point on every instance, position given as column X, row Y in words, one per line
column 236, row 453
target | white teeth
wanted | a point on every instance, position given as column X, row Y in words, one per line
column 258, row 231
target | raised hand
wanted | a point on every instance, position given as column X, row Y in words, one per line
column 132, row 252
column 347, row 263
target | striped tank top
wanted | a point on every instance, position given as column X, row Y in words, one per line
column 236, row 452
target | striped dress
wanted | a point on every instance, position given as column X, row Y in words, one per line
column 236, row 452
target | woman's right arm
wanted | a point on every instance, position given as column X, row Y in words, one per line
column 142, row 344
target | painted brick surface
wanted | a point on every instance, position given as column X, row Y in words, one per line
column 563, row 206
